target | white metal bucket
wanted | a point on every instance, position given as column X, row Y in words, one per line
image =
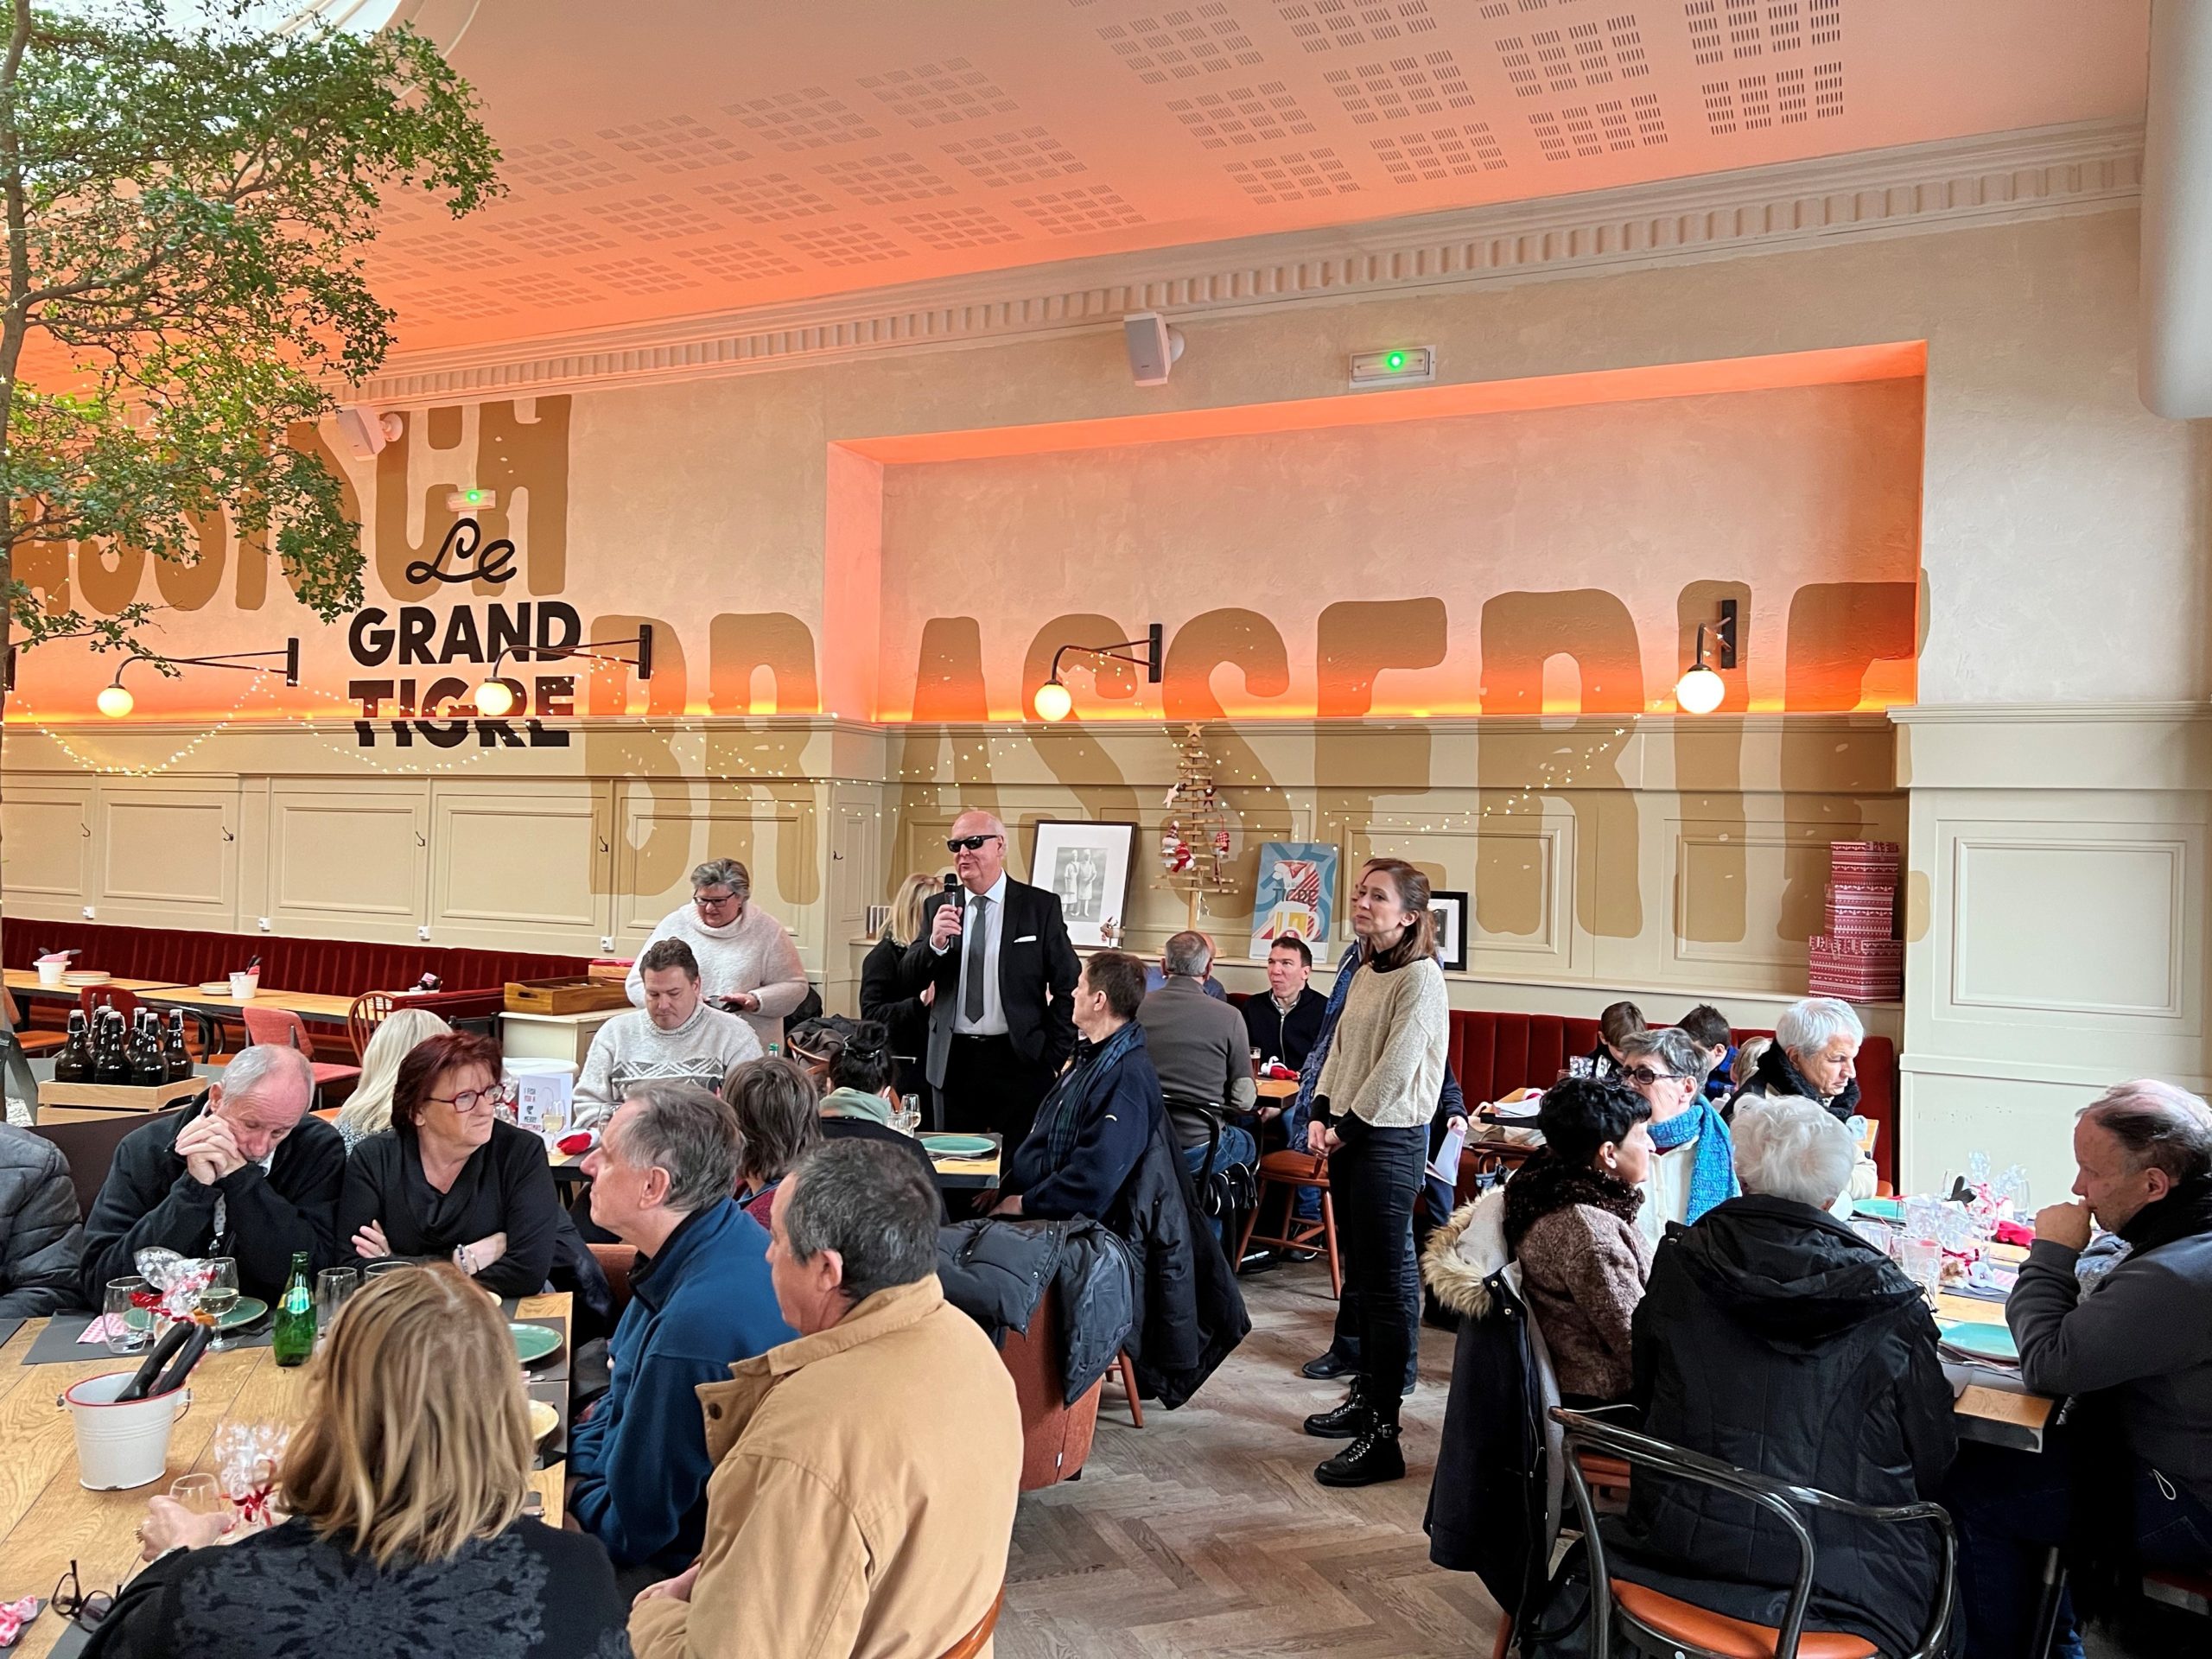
column 121, row 1445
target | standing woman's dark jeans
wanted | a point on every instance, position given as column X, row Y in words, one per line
column 1375, row 1180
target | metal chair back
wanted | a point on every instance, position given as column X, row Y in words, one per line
column 1778, row 1497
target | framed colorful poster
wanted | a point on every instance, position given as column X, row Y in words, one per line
column 1087, row 865
column 1296, row 894
column 1450, row 910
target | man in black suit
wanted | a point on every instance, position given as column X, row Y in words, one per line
column 1002, row 1012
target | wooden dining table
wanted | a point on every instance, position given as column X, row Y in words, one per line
column 47, row 1519
column 309, row 1005
column 25, row 981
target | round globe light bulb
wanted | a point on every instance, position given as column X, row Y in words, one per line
column 495, row 698
column 1699, row 691
column 1053, row 701
column 115, row 701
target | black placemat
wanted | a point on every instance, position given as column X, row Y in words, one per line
column 58, row 1345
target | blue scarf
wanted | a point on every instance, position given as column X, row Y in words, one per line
column 1712, row 1176
column 1062, row 1113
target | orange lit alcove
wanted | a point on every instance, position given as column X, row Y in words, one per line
column 1544, row 545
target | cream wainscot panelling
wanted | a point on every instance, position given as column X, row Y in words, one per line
column 349, row 862
column 670, row 826
column 2057, row 921
column 527, row 866
column 47, row 837
column 168, row 853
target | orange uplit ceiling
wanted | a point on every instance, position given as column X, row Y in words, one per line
column 692, row 157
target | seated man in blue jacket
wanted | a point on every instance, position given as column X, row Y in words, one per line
column 700, row 1299
column 1091, row 1129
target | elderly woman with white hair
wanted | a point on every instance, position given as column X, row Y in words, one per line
column 1758, row 1323
column 1814, row 1056
column 747, row 964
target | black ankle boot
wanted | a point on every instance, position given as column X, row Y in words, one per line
column 1373, row 1456
column 1344, row 1422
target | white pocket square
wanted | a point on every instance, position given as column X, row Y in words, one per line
column 1027, row 938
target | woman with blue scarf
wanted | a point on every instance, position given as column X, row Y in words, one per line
column 1091, row 1129
column 1694, row 1159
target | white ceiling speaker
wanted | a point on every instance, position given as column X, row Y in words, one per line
column 364, row 432
column 1153, row 346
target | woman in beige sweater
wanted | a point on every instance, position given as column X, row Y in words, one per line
column 1371, row 1106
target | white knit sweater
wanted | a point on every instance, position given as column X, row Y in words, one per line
column 1386, row 1061
column 630, row 1048
column 751, row 954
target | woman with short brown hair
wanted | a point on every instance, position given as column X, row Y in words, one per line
column 405, row 1489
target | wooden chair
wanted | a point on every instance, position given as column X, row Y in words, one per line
column 1657, row 1622
column 283, row 1028
column 1292, row 1171
column 615, row 1261
column 1128, row 1374
column 979, row 1638
column 93, row 998
column 368, row 1011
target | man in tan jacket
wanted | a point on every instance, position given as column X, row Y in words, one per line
column 864, row 1478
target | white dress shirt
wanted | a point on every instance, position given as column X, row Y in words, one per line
column 979, row 942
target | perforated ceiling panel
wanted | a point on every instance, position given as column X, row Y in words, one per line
column 690, row 156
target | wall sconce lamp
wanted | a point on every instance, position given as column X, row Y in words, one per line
column 1052, row 701
column 1700, row 690
column 115, row 700
column 497, row 696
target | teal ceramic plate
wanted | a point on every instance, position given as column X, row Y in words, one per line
column 535, row 1342
column 245, row 1311
column 957, row 1146
column 1879, row 1209
column 1982, row 1341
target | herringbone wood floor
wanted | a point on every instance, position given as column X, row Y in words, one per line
column 1203, row 1533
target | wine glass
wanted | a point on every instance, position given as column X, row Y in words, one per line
column 130, row 1326
column 221, row 1296
column 202, row 1494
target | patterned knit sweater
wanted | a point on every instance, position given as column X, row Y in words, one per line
column 630, row 1048
column 751, row 954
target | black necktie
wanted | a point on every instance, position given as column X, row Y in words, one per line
column 979, row 912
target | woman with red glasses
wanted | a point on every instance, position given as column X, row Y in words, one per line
column 452, row 1179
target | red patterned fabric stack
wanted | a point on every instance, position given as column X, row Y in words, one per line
column 1859, row 958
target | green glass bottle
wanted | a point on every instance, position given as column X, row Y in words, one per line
column 292, row 1335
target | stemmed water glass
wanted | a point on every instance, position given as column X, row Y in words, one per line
column 221, row 1296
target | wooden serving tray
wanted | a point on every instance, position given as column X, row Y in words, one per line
column 580, row 994
column 80, row 1103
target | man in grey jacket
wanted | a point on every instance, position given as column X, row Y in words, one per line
column 2135, row 1349
column 42, row 1242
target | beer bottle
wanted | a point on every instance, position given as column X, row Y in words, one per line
column 292, row 1335
column 74, row 1062
column 175, row 1057
column 110, row 1064
column 148, row 1069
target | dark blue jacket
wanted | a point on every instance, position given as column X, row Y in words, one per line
column 1114, row 1117
column 637, row 1466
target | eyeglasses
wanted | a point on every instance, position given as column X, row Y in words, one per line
column 500, row 1094
column 1644, row 1074
column 714, row 900
column 967, row 843
column 84, row 1612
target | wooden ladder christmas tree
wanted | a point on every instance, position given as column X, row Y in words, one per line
column 1194, row 842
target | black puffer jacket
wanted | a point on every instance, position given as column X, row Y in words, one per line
column 41, row 1244
column 994, row 1270
column 1775, row 1339
column 1190, row 1316
column 1775, row 1079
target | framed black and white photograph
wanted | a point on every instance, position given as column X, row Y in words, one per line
column 1087, row 865
column 1450, row 910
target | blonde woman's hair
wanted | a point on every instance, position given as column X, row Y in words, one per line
column 417, row 1438
column 369, row 1107
column 905, row 924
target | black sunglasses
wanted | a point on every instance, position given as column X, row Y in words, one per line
column 84, row 1612
column 967, row 843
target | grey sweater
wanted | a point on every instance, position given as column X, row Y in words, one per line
column 2144, row 1332
column 1202, row 1052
